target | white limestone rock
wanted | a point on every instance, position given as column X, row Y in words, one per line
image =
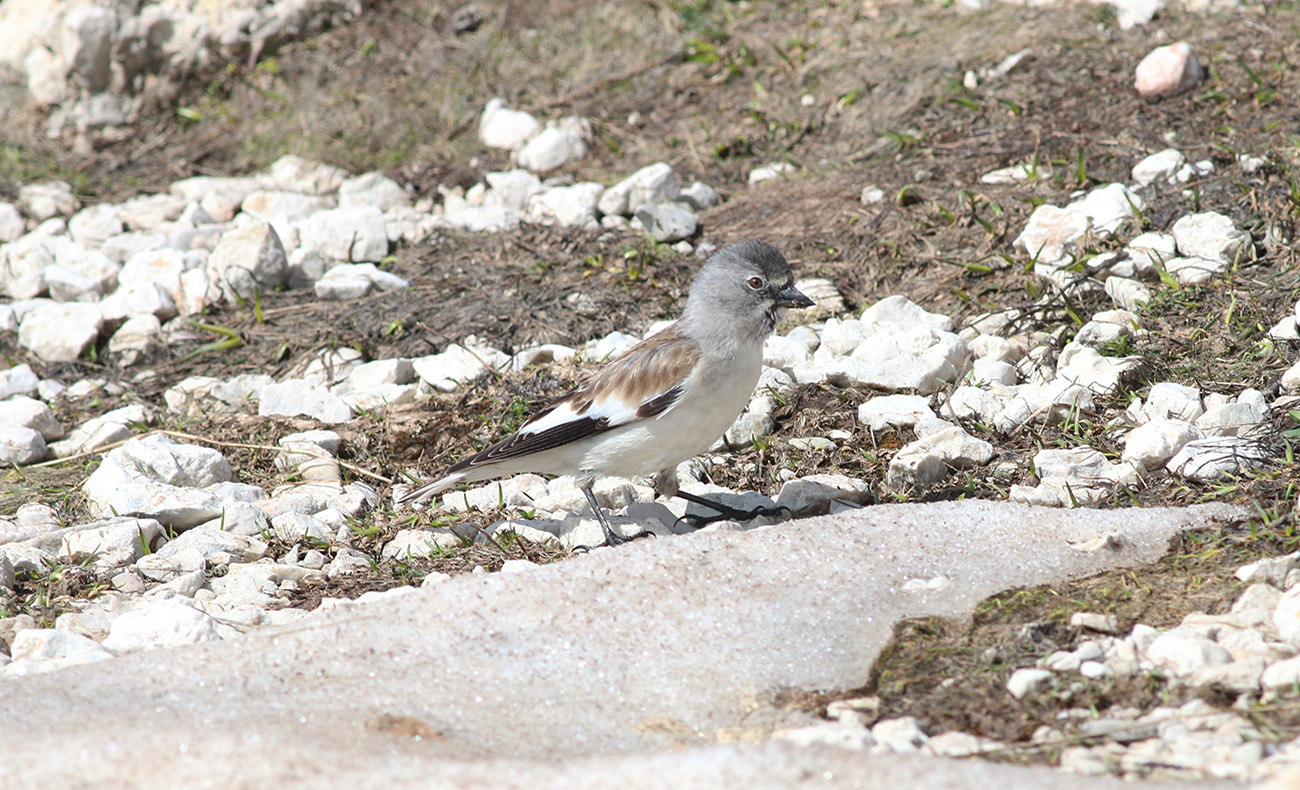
column 248, row 261
column 159, row 478
column 568, row 206
column 91, row 226
column 520, row 491
column 138, row 299
column 294, row 174
column 273, row 205
column 1230, row 419
column 1282, row 675
column 992, row 371
column 1107, row 207
column 611, row 493
column 293, row 527
column 20, row 446
column 903, row 357
column 998, row 349
column 782, row 353
column 1160, row 166
column 109, row 428
column 47, row 649
column 31, row 413
column 512, row 189
column 1216, row 458
column 837, row 734
column 1290, row 381
column 814, row 494
column 1012, row 174
column 157, row 268
column 112, row 543
column 47, row 199
column 502, row 127
column 1209, row 235
column 410, row 543
column 898, row 309
column 539, row 355
column 379, row 373
column 349, row 561
column 67, row 285
column 1152, row 444
column 1027, row 682
column 1193, row 270
column 149, row 212
column 478, row 219
column 355, row 234
column 553, row 147
column 894, row 411
column 1050, row 403
column 1052, row 234
column 901, row 735
column 219, row 198
column 698, row 195
column 1084, row 465
column 1083, row 365
column 1176, row 401
column 1143, row 254
column 981, row 403
column 353, row 281
column 214, row 546
column 295, row 397
column 372, row 189
column 136, row 336
column 769, row 172
column 839, row 338
column 171, row 622
column 458, row 365
column 754, row 422
column 1271, row 570
column 668, row 222
column 651, row 185
column 1079, row 476
column 1107, row 326
column 329, row 367
column 1127, row 293
column 1131, row 13
column 928, row 460
column 1183, row 652
column 60, row 332
column 871, row 195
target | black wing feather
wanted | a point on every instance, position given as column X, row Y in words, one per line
column 521, row 444
column 661, row 403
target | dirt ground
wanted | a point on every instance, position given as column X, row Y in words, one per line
column 854, row 94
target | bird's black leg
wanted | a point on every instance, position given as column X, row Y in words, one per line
column 612, row 538
column 725, row 511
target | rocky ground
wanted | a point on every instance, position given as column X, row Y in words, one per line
column 308, row 279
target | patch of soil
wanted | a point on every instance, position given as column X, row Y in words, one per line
column 952, row 676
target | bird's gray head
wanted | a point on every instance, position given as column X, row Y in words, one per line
column 742, row 291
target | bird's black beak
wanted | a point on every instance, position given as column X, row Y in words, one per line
column 790, row 296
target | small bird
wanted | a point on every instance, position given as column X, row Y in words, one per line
column 669, row 398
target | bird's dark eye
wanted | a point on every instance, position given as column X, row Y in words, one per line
column 755, row 282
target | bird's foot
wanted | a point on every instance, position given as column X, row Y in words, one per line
column 726, row 512
column 612, row 538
